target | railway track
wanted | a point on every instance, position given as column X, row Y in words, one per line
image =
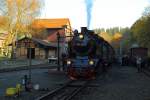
column 146, row 71
column 65, row 92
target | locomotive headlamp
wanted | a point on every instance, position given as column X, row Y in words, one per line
column 91, row 62
column 68, row 62
column 81, row 36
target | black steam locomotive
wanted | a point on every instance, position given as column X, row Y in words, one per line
column 87, row 53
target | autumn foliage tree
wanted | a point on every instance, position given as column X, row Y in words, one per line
column 17, row 15
column 117, row 37
column 141, row 29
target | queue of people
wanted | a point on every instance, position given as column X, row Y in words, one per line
column 139, row 62
column 125, row 60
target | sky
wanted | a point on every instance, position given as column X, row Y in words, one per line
column 104, row 13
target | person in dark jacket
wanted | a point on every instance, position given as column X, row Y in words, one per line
column 63, row 60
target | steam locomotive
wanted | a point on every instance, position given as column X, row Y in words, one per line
column 87, row 53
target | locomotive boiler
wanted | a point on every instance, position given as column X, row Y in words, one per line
column 87, row 53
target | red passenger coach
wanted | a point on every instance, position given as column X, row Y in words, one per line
column 135, row 52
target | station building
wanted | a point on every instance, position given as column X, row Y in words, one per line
column 44, row 48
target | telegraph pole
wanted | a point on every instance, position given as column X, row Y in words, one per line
column 58, row 54
column 30, row 62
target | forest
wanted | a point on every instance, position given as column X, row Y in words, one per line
column 136, row 35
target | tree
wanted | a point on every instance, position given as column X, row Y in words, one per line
column 146, row 11
column 99, row 30
column 18, row 15
column 108, row 37
column 141, row 31
column 117, row 36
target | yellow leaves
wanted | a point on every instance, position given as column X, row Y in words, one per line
column 22, row 11
column 20, row 14
column 113, row 39
column 117, row 39
column 10, row 2
column 34, row 5
column 20, row 2
column 117, row 36
column 17, row 16
column 106, row 36
column 10, row 7
column 4, row 23
column 2, row 20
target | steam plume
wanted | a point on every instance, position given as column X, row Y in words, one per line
column 89, row 5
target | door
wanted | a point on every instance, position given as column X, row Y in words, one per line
column 32, row 53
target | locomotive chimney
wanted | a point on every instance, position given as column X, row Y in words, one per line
column 83, row 30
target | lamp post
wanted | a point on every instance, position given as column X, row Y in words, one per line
column 120, row 51
column 58, row 45
column 28, row 45
column 67, row 29
column 58, row 55
column 30, row 61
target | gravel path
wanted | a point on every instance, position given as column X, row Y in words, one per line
column 121, row 83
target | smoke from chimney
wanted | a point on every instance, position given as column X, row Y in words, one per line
column 89, row 6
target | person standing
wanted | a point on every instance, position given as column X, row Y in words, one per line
column 63, row 56
column 138, row 63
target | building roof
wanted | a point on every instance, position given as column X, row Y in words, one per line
column 57, row 23
column 39, row 41
column 51, row 23
column 44, row 43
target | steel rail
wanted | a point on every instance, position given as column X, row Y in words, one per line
column 53, row 91
column 146, row 71
column 76, row 91
column 65, row 95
